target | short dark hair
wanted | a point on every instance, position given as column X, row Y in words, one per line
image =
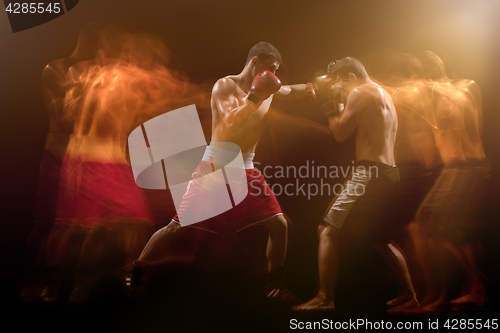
column 433, row 65
column 264, row 50
column 347, row 65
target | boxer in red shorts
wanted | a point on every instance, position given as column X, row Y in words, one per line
column 239, row 106
column 60, row 128
column 102, row 219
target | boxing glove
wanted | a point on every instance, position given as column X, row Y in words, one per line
column 326, row 92
column 310, row 90
column 263, row 85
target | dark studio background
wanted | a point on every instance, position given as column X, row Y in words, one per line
column 211, row 39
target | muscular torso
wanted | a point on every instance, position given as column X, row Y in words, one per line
column 449, row 119
column 111, row 97
column 376, row 126
column 249, row 134
column 415, row 141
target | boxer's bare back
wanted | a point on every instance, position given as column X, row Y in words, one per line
column 370, row 110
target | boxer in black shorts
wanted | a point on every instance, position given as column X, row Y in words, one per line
column 446, row 219
column 364, row 203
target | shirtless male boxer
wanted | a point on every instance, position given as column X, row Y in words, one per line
column 443, row 221
column 103, row 221
column 417, row 158
column 364, row 204
column 60, row 129
column 54, row 86
column 470, row 247
column 239, row 106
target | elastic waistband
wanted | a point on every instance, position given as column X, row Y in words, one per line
column 222, row 157
column 366, row 163
column 458, row 165
column 382, row 170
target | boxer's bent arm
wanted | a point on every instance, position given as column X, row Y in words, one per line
column 475, row 91
column 223, row 97
column 344, row 123
column 53, row 88
column 74, row 91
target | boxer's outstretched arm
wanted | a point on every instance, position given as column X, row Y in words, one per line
column 224, row 100
column 344, row 123
column 294, row 91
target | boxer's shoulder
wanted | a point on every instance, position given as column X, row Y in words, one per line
column 55, row 69
column 468, row 86
column 360, row 95
column 225, row 85
column 464, row 82
column 369, row 92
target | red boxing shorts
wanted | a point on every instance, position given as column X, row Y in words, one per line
column 96, row 193
column 260, row 203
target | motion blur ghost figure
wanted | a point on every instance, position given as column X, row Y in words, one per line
column 474, row 292
column 60, row 128
column 415, row 152
column 103, row 220
column 444, row 216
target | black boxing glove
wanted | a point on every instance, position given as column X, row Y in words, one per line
column 326, row 92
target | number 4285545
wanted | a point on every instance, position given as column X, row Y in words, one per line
column 33, row 7
column 478, row 323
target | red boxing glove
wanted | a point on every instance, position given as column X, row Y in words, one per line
column 263, row 85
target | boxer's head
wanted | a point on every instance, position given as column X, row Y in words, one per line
column 433, row 66
column 110, row 43
column 415, row 70
column 264, row 56
column 350, row 71
column 88, row 37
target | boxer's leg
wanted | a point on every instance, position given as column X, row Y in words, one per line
column 422, row 244
column 163, row 251
column 163, row 244
column 277, row 243
column 328, row 263
column 277, row 247
column 476, row 289
column 397, row 264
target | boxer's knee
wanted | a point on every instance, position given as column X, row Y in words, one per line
column 276, row 224
column 328, row 231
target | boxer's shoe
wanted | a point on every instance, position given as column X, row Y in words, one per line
column 280, row 292
column 276, row 288
column 134, row 279
column 49, row 293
